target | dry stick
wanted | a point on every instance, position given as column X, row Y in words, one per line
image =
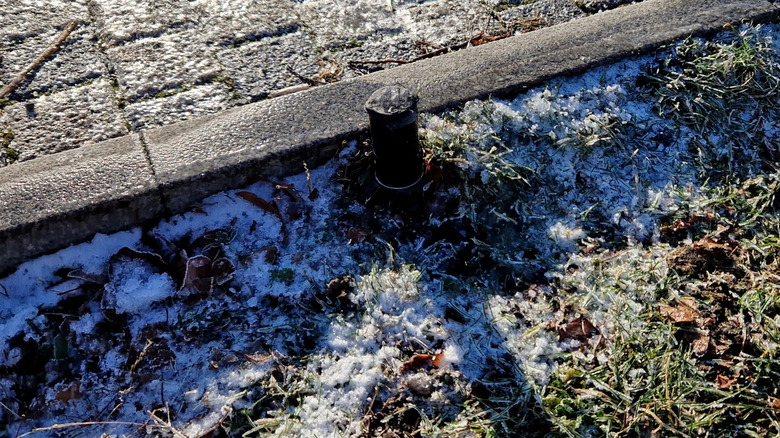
column 137, row 362
column 309, row 81
column 36, row 64
column 10, row 411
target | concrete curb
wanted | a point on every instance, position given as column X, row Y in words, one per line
column 61, row 199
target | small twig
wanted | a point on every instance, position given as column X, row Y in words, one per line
column 5, row 291
column 373, row 400
column 313, row 192
column 137, row 362
column 116, row 408
column 80, row 424
column 422, row 43
column 36, row 64
column 288, row 90
column 10, row 411
column 309, row 81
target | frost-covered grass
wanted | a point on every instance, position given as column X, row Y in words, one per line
column 596, row 257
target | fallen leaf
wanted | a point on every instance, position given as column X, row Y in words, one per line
column 437, row 359
column 416, row 362
column 700, row 345
column 337, row 292
column 197, row 276
column 678, row 315
column 579, row 329
column 357, row 235
column 261, row 203
column 724, row 382
column 222, row 270
column 71, row 392
column 775, row 404
column 271, row 254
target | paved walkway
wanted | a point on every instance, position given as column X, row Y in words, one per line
column 133, row 65
column 92, row 115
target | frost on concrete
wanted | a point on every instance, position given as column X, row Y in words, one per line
column 259, row 67
column 121, row 21
column 232, row 22
column 77, row 61
column 548, row 13
column 180, row 105
column 150, row 66
column 24, row 19
column 64, row 120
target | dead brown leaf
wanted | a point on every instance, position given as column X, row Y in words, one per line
column 71, row 392
column 261, row 203
column 700, row 344
column 269, row 207
column 579, row 328
column 222, row 270
column 416, row 362
column 437, row 359
column 679, row 314
column 357, row 235
column 197, row 276
column 271, row 254
column 724, row 383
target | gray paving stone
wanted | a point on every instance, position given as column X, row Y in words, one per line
column 221, row 22
column 391, row 47
column 448, row 22
column 53, row 201
column 164, row 64
column 258, row 68
column 77, row 61
column 337, row 24
column 551, row 12
column 63, row 120
column 593, row 6
column 198, row 101
column 374, row 31
column 120, row 21
column 231, row 22
column 23, row 19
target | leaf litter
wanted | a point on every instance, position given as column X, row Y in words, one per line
column 596, row 257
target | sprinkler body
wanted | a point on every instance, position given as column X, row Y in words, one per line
column 392, row 112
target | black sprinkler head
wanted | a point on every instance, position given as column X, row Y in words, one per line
column 392, row 112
